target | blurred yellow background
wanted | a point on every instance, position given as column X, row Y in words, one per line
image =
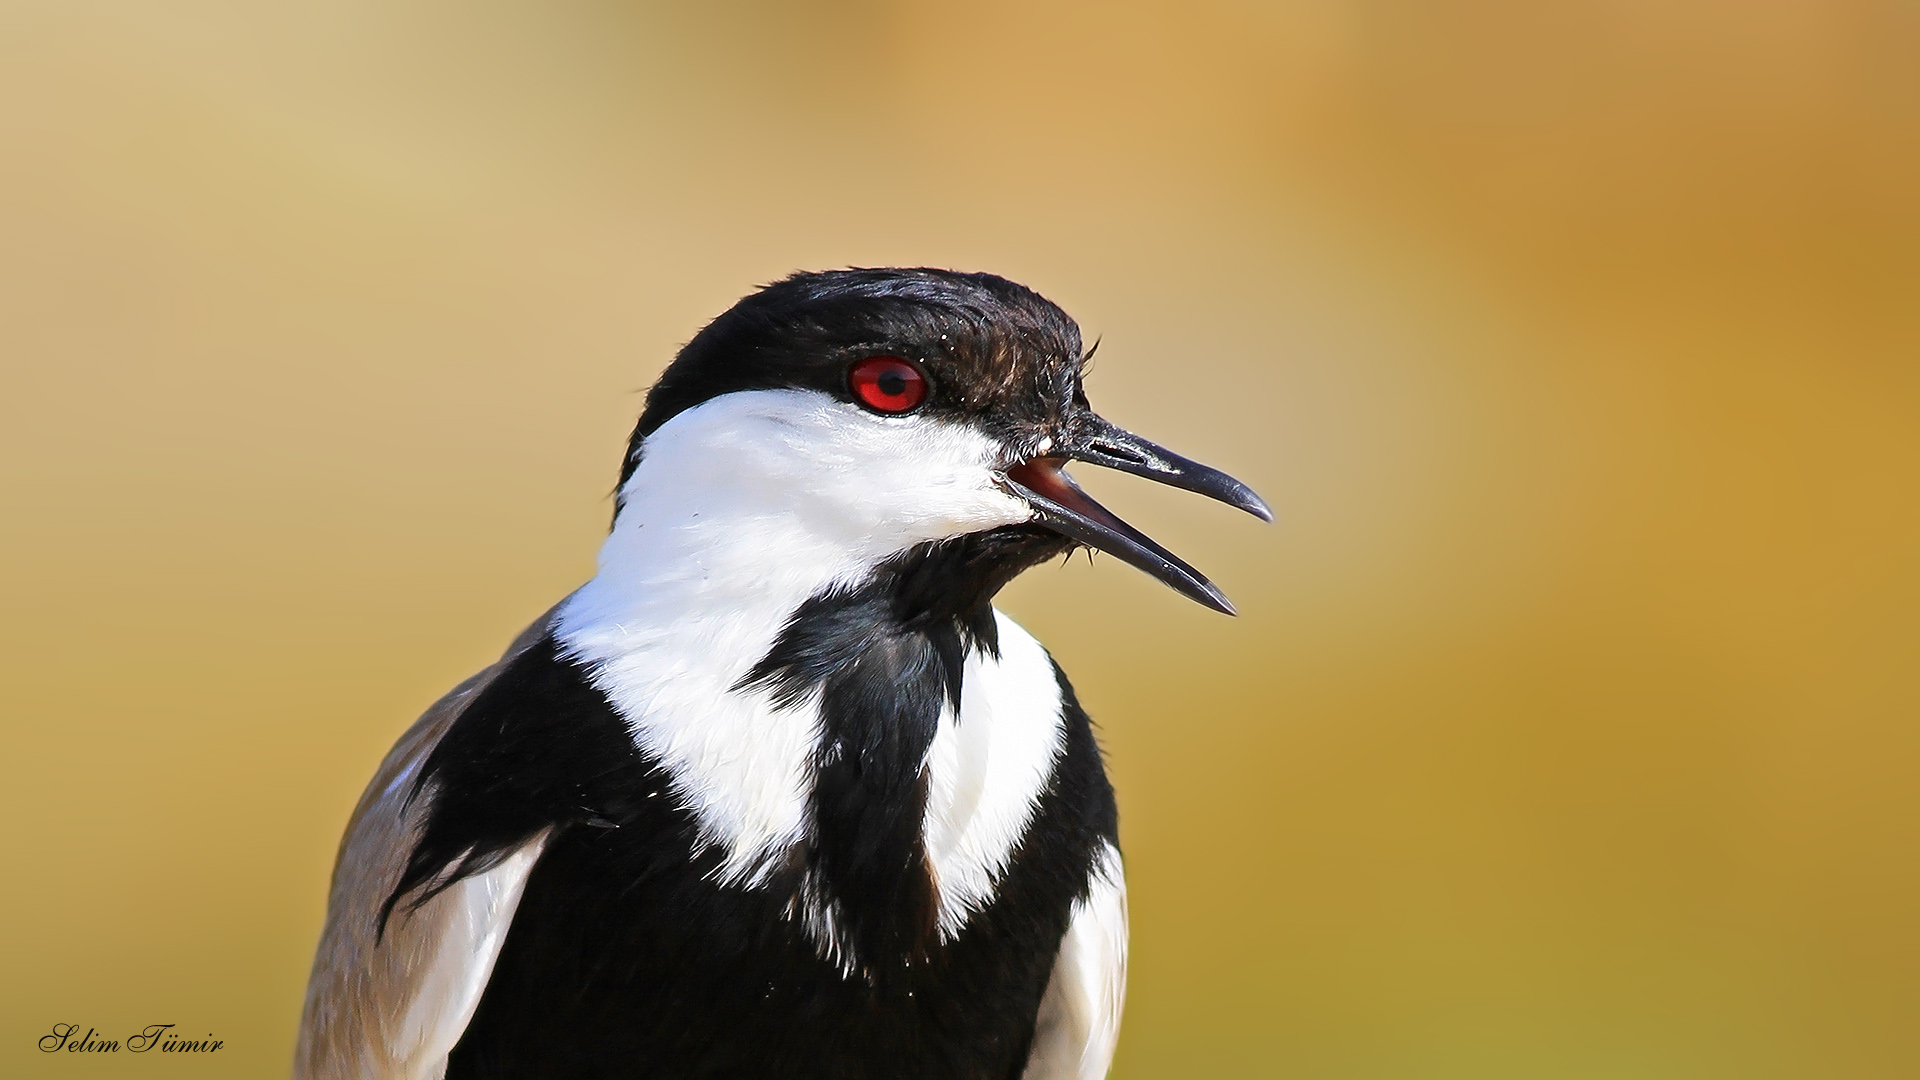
column 1572, row 726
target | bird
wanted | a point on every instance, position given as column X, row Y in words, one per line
column 778, row 792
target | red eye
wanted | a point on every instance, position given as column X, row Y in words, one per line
column 887, row 384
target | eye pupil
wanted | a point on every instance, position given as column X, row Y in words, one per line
column 887, row 384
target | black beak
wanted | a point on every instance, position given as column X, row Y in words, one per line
column 1060, row 505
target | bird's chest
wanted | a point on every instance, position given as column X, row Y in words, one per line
column 627, row 958
column 904, row 922
column 878, row 787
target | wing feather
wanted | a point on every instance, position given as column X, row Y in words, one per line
column 390, row 1007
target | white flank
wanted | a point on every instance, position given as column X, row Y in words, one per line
column 1079, row 1018
column 742, row 508
column 987, row 771
column 473, row 914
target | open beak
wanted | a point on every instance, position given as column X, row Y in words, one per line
column 1059, row 504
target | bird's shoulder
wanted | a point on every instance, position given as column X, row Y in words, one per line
column 390, row 997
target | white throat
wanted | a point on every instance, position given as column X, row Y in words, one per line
column 740, row 509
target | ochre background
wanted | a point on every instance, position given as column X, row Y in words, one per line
column 1572, row 726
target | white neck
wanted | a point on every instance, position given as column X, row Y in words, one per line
column 740, row 509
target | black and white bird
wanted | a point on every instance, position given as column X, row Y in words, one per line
column 777, row 793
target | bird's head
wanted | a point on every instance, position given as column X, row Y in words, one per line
column 883, row 410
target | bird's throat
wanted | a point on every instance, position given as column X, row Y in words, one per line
column 884, row 660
